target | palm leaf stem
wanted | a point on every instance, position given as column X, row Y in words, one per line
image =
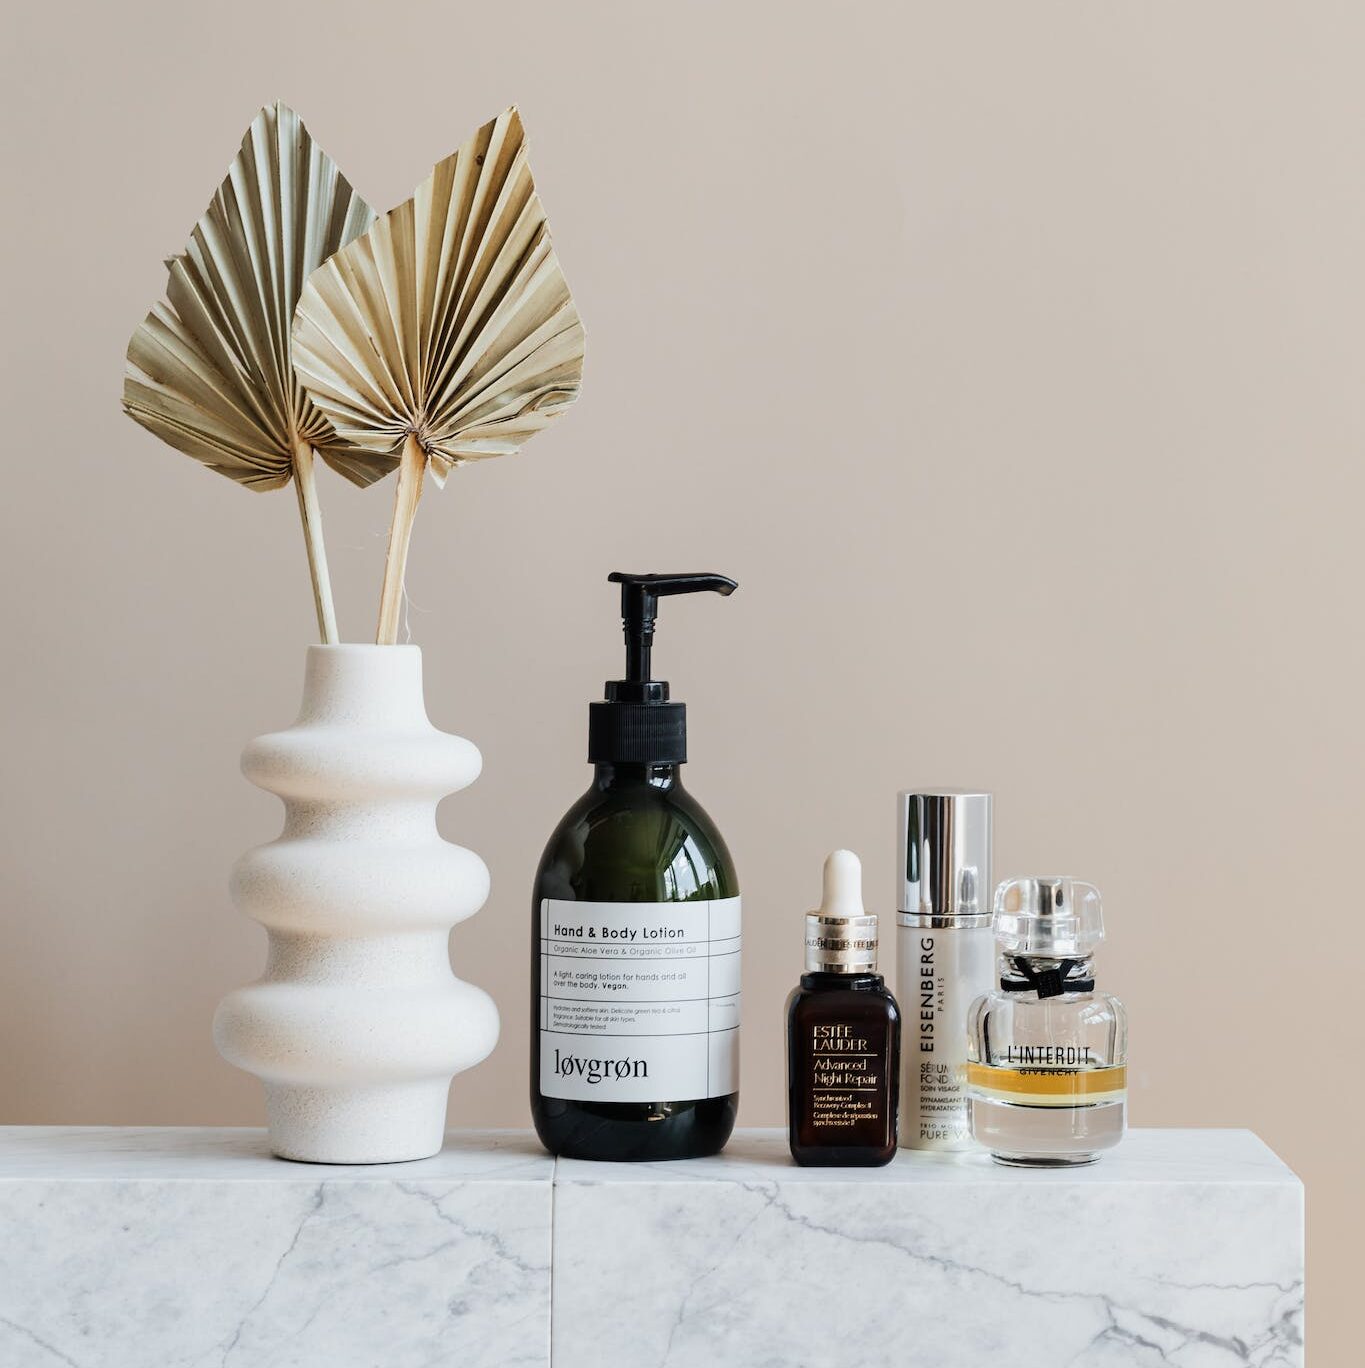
column 412, row 468
column 310, row 515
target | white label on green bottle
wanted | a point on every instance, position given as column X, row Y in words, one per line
column 639, row 1002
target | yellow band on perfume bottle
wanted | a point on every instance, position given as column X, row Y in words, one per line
column 1048, row 1087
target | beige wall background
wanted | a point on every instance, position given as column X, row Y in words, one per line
column 1010, row 357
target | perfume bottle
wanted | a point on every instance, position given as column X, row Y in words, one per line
column 1047, row 1054
column 843, row 1034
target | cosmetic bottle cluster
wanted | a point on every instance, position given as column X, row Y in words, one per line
column 996, row 1039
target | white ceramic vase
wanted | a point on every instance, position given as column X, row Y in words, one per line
column 358, row 1025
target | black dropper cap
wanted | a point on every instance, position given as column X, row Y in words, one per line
column 637, row 724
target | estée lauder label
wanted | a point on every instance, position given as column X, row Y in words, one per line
column 639, row 1002
column 847, row 1083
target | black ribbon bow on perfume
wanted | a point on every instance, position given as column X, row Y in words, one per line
column 1047, row 982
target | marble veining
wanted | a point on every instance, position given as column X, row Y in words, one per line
column 197, row 1249
column 1180, row 1248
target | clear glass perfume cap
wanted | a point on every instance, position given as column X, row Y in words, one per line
column 1052, row 915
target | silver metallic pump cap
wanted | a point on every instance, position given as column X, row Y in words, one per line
column 944, row 839
column 841, row 938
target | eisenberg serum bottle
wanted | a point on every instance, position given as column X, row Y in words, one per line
column 944, row 956
column 1047, row 1071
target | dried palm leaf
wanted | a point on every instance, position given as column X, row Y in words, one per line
column 446, row 334
column 209, row 369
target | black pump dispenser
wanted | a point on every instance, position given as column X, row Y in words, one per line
column 637, row 724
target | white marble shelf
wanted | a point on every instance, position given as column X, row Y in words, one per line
column 178, row 1248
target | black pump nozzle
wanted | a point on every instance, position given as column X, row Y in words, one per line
column 637, row 723
column 640, row 595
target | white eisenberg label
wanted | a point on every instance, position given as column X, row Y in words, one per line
column 639, row 1002
column 939, row 974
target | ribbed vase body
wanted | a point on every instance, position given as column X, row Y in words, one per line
column 357, row 1025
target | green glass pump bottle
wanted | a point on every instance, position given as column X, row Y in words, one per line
column 635, row 932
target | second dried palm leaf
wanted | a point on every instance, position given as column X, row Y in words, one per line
column 447, row 332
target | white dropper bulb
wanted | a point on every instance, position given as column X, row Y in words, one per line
column 843, row 895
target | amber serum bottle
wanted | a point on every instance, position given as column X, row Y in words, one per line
column 843, row 1034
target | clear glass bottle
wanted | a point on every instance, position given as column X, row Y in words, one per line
column 1047, row 1055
